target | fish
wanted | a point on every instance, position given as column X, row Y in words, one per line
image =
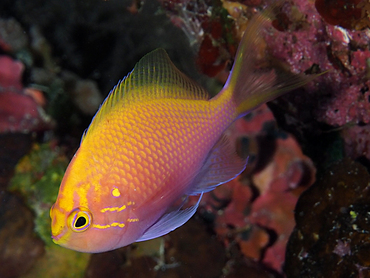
column 156, row 139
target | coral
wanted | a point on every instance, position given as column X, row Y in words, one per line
column 10, row 74
column 21, row 107
column 18, row 112
column 331, row 235
column 339, row 97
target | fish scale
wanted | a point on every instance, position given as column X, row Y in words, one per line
column 131, row 151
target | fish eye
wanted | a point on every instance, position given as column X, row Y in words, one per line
column 79, row 220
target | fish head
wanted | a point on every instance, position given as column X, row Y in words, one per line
column 88, row 229
column 89, row 215
column 78, row 231
column 71, row 230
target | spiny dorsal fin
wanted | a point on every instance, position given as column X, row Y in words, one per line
column 153, row 77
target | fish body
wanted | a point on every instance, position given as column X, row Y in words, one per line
column 156, row 139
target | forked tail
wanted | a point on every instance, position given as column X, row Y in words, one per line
column 254, row 80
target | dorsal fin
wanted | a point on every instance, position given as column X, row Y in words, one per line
column 153, row 77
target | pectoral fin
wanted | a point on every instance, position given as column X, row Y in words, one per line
column 170, row 221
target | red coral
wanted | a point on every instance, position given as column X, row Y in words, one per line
column 208, row 58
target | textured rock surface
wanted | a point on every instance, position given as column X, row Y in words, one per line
column 331, row 238
column 19, row 247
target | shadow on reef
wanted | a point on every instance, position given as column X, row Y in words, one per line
column 321, row 142
column 13, row 146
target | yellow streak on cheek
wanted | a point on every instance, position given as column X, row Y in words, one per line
column 132, row 220
column 118, row 209
column 114, row 224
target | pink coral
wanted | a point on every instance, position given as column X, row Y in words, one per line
column 18, row 112
column 10, row 74
column 309, row 42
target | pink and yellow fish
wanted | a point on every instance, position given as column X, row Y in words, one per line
column 156, row 139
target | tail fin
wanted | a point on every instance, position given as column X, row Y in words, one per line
column 253, row 80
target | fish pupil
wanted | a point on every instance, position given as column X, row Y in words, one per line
column 80, row 222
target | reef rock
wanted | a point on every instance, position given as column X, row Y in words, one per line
column 331, row 237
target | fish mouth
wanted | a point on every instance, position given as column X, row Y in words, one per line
column 57, row 237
